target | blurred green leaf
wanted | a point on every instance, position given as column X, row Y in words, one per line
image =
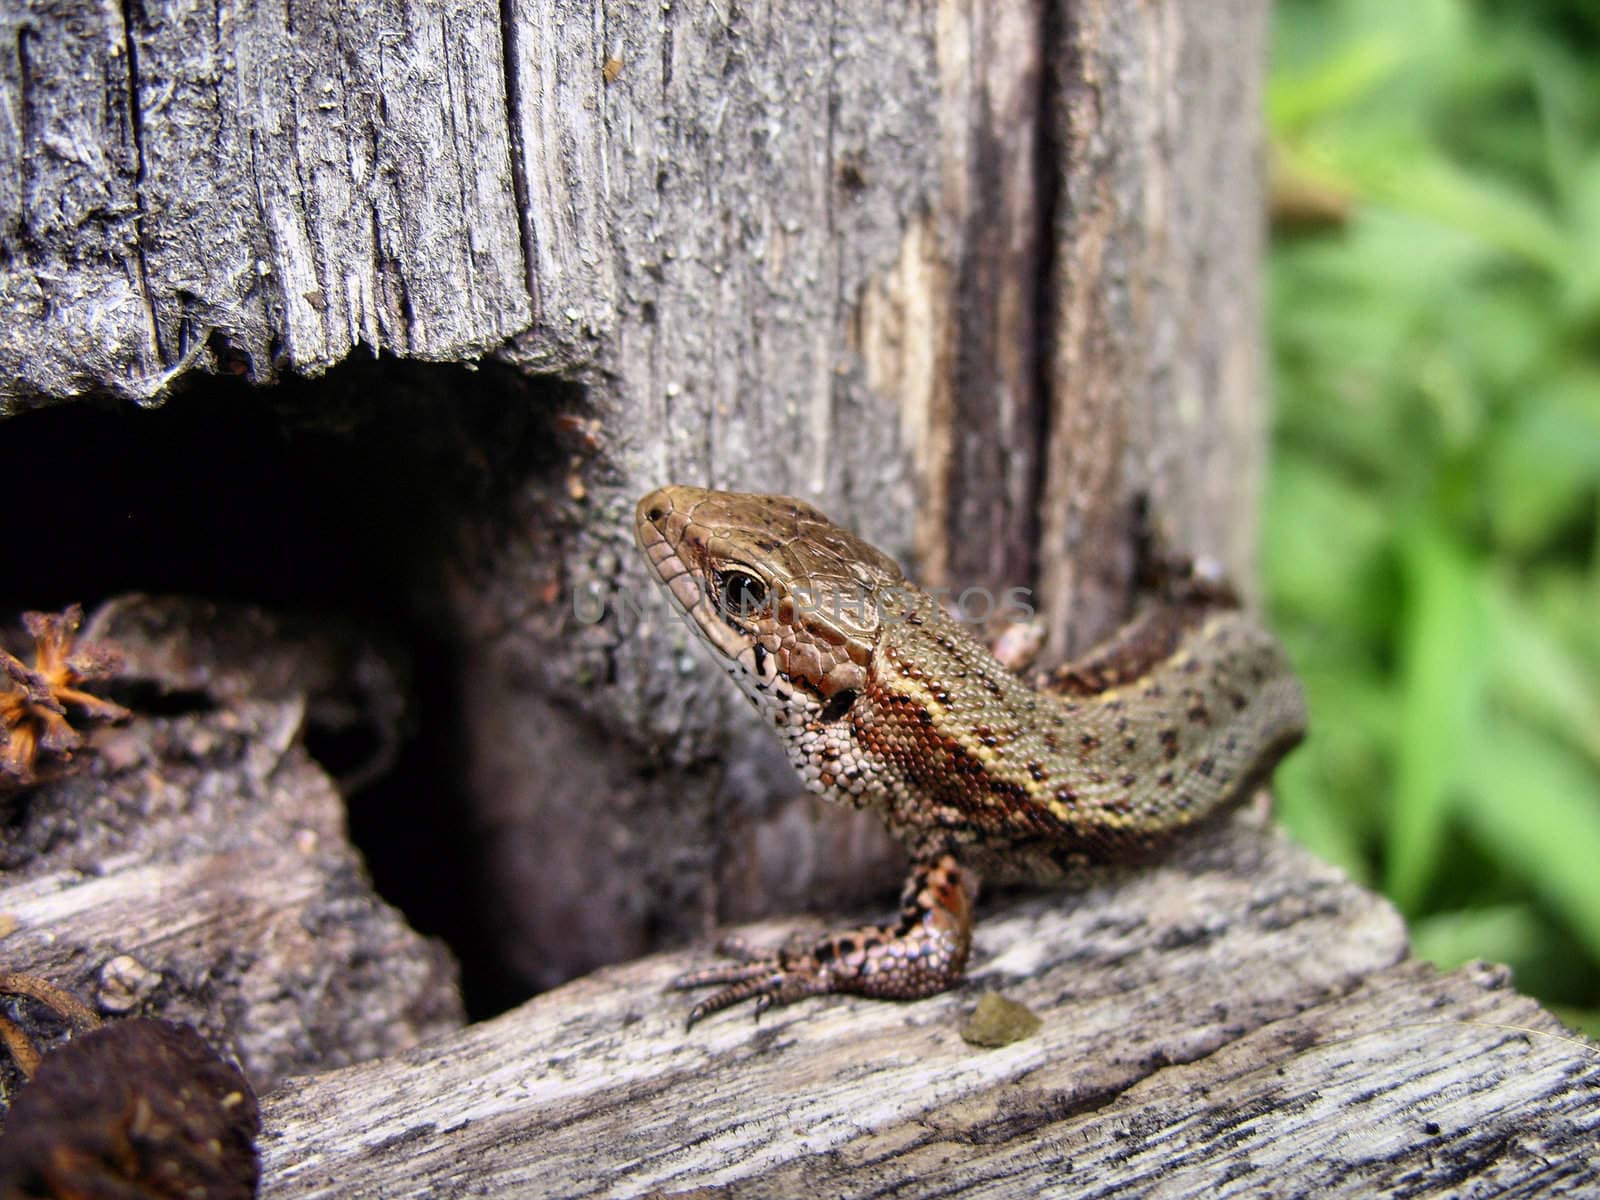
column 1333, row 85
column 1433, row 517
column 1536, row 804
column 1328, row 537
column 1538, row 676
column 1301, row 789
column 1562, row 80
column 1442, row 672
column 1406, row 177
column 1585, row 1020
column 1332, row 791
column 1582, row 279
column 1542, row 471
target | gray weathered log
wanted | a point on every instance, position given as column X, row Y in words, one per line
column 1156, row 382
column 1240, row 1021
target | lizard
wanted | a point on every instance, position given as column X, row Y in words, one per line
column 887, row 702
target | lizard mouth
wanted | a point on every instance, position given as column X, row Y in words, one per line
column 664, row 520
column 661, row 527
column 658, row 528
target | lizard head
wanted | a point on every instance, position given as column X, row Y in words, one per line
column 791, row 605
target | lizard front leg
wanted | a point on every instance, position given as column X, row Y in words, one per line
column 923, row 953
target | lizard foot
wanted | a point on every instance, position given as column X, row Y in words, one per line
column 924, row 953
column 768, row 978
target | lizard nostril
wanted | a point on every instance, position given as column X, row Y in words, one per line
column 655, row 513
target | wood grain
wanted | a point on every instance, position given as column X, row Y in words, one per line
column 1239, row 1021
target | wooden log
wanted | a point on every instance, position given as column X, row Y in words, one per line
column 1241, row 1020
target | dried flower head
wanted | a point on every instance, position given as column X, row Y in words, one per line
column 35, row 701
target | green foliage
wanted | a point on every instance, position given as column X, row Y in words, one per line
column 1433, row 523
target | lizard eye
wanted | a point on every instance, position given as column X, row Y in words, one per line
column 741, row 593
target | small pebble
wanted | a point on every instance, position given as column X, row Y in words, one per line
column 124, row 982
column 999, row 1022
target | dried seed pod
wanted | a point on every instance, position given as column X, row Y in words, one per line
column 138, row 1108
column 35, row 701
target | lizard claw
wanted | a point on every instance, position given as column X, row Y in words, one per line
column 766, row 978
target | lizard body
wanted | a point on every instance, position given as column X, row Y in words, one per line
column 886, row 702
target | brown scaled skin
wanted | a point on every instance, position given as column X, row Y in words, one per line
column 886, row 702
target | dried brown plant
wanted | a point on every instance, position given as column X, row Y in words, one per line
column 35, row 701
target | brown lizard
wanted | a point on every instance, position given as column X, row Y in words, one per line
column 887, row 702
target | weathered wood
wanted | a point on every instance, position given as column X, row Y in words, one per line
column 283, row 182
column 1239, row 1021
column 1155, row 370
column 197, row 868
